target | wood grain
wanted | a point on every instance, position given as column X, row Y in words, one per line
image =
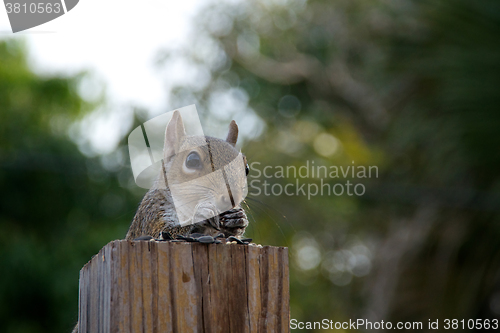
column 149, row 286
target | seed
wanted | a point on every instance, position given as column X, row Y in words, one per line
column 143, row 238
column 186, row 238
column 165, row 236
column 206, row 239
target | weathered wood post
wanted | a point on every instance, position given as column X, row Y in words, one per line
column 149, row 286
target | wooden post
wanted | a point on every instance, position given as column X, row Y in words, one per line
column 149, row 286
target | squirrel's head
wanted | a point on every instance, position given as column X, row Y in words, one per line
column 206, row 176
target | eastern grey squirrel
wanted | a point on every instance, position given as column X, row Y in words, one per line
column 204, row 202
column 214, row 204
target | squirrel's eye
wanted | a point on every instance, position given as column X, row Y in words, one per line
column 247, row 169
column 193, row 161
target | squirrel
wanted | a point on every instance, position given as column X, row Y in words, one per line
column 193, row 164
column 199, row 189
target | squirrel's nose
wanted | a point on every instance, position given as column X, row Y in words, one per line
column 225, row 202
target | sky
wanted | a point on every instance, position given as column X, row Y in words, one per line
column 117, row 40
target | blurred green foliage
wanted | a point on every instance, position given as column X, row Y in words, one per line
column 407, row 86
column 57, row 206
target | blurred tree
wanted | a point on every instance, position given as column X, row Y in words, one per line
column 408, row 86
column 57, row 206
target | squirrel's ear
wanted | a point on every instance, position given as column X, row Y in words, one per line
column 232, row 136
column 173, row 135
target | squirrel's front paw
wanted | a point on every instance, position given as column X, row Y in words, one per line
column 233, row 222
column 205, row 216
